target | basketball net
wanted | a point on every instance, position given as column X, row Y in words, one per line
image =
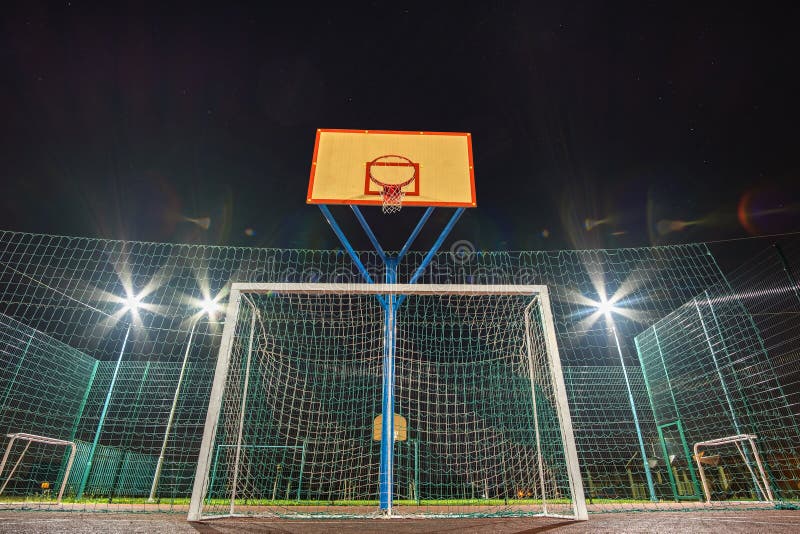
column 392, row 197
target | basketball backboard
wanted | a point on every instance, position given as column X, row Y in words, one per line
column 362, row 166
column 400, row 428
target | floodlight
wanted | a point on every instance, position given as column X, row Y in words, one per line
column 132, row 303
column 209, row 306
column 605, row 307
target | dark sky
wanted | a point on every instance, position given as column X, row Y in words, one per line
column 594, row 124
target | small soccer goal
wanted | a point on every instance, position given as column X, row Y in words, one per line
column 53, row 446
column 735, row 454
column 370, row 400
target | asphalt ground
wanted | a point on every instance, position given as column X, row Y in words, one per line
column 728, row 522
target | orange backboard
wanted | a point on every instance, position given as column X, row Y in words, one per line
column 400, row 428
column 437, row 166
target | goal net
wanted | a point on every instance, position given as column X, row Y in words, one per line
column 481, row 425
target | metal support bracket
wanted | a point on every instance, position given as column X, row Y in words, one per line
column 390, row 305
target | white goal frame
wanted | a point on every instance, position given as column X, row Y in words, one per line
column 738, row 439
column 33, row 438
column 201, row 481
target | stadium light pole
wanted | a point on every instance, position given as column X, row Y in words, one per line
column 208, row 307
column 130, row 304
column 607, row 308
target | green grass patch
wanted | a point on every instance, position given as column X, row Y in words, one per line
column 99, row 500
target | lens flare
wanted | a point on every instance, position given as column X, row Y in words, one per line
column 200, row 222
column 667, row 226
column 591, row 224
column 765, row 210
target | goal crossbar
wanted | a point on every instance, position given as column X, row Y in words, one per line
column 391, row 289
column 33, row 438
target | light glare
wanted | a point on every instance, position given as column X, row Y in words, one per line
column 209, row 306
column 605, row 307
column 132, row 303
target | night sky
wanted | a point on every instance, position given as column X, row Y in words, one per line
column 594, row 125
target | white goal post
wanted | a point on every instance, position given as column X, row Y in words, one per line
column 33, row 438
column 299, row 373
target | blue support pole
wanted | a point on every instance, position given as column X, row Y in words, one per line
column 345, row 242
column 386, row 471
column 435, row 248
column 370, row 234
column 102, row 420
column 415, row 233
column 390, row 304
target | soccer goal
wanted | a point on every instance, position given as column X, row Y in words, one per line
column 306, row 374
column 745, row 446
column 28, row 439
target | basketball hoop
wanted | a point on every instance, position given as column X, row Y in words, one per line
column 392, row 183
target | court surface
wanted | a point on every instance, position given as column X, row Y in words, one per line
column 663, row 522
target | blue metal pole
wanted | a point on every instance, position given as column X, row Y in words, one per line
column 390, row 304
column 650, row 486
column 88, row 469
column 345, row 242
column 386, row 471
column 435, row 248
column 370, row 234
column 415, row 233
